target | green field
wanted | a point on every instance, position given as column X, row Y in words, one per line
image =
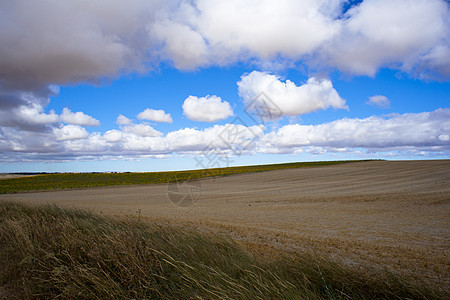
column 50, row 253
column 89, row 180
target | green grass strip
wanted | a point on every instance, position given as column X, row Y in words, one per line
column 89, row 180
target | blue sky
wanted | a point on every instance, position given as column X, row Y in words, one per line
column 163, row 85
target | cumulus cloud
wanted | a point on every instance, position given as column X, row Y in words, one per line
column 410, row 35
column 426, row 133
column 394, row 131
column 156, row 115
column 41, row 47
column 224, row 137
column 21, row 146
column 106, row 39
column 113, row 135
column 407, row 34
column 206, row 109
column 70, row 132
column 103, row 39
column 206, row 32
column 433, row 64
column 122, row 120
column 99, row 39
column 78, row 118
column 444, row 137
column 379, row 101
column 30, row 117
column 177, row 36
column 142, row 130
column 290, row 99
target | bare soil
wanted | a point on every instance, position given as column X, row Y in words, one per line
column 9, row 176
column 386, row 214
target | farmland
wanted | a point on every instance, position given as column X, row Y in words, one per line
column 89, row 180
column 388, row 216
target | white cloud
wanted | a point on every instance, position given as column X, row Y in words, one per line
column 100, row 40
column 28, row 144
column 92, row 146
column 42, row 49
column 142, row 130
column 70, row 132
column 208, row 32
column 224, row 137
column 122, row 120
column 113, row 135
column 267, row 28
column 35, row 114
column 78, row 118
column 106, row 39
column 206, row 109
column 410, row 35
column 379, row 101
column 383, row 33
column 179, row 36
column 433, row 64
column 424, row 133
column 136, row 145
column 291, row 99
column 407, row 130
column 28, row 117
column 444, row 137
column 155, row 115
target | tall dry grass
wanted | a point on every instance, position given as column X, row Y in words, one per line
column 49, row 252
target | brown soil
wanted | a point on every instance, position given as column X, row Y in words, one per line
column 9, row 176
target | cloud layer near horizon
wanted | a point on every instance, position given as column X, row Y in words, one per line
column 407, row 133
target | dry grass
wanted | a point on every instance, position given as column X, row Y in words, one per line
column 48, row 252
